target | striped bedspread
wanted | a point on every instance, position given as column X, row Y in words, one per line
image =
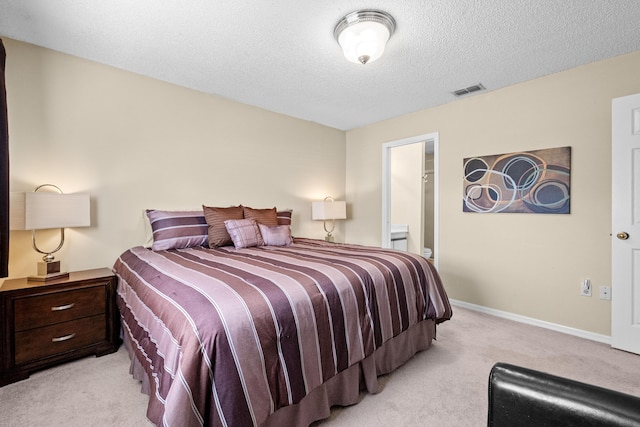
column 229, row 336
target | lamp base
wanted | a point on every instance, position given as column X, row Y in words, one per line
column 48, row 271
column 47, row 277
column 329, row 238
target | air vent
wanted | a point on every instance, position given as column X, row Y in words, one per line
column 467, row 90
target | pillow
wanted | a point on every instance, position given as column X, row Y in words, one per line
column 215, row 218
column 148, row 232
column 262, row 216
column 280, row 235
column 284, row 217
column 177, row 229
column 244, row 233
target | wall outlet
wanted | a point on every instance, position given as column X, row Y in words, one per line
column 585, row 288
column 605, row 292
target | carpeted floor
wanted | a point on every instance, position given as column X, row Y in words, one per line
column 444, row 386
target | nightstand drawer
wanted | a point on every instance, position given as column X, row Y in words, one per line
column 48, row 309
column 58, row 338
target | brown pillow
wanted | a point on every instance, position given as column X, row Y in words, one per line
column 267, row 217
column 284, row 217
column 215, row 217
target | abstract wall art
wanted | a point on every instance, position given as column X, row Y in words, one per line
column 523, row 182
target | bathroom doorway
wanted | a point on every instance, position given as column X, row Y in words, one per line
column 422, row 170
column 428, row 200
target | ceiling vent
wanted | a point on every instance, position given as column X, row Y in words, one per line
column 467, row 90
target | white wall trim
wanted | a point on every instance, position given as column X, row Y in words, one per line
column 535, row 322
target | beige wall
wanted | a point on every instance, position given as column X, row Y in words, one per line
column 133, row 143
column 525, row 264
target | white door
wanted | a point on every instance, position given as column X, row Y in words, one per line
column 625, row 246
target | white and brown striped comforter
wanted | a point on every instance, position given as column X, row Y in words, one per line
column 228, row 336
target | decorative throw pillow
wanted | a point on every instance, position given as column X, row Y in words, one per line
column 244, row 233
column 280, row 235
column 284, row 217
column 215, row 217
column 177, row 229
column 262, row 216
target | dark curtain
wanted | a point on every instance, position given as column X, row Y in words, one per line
column 4, row 170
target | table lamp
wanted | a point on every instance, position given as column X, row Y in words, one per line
column 40, row 210
column 329, row 210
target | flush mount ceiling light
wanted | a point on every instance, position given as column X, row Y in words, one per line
column 363, row 34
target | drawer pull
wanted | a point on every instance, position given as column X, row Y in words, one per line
column 63, row 307
column 64, row 338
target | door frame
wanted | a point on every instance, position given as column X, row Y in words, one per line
column 386, row 186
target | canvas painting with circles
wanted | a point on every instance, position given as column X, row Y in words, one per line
column 537, row 181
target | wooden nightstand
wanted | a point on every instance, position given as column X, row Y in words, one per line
column 44, row 324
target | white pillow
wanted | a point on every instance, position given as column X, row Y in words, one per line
column 279, row 235
column 244, row 233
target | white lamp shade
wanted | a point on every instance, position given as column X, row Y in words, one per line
column 16, row 211
column 364, row 39
column 44, row 210
column 328, row 209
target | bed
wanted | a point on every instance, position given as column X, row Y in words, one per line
column 270, row 335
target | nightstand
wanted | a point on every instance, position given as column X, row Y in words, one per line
column 47, row 323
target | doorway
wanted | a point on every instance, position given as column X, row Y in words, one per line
column 427, row 145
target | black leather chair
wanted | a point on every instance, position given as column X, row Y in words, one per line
column 521, row 397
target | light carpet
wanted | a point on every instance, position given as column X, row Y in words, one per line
column 443, row 386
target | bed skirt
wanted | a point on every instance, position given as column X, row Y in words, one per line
column 344, row 388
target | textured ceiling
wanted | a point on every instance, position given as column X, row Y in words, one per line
column 281, row 55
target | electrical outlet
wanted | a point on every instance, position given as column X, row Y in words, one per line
column 585, row 288
column 605, row 292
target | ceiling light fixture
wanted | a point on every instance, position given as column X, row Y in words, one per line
column 363, row 34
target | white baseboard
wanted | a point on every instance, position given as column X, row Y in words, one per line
column 535, row 322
